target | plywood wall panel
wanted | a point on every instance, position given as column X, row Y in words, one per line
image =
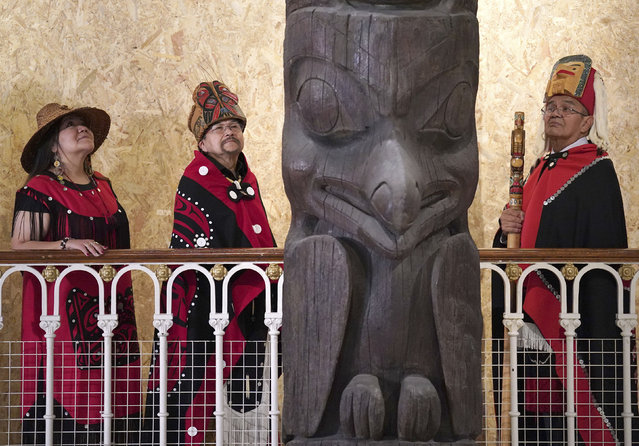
column 520, row 42
column 141, row 59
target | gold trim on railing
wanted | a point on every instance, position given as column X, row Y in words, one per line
column 513, row 271
column 274, row 271
column 50, row 273
column 627, row 272
column 569, row 271
column 219, row 272
column 107, row 272
column 163, row 273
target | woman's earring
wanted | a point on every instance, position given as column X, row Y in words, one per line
column 58, row 171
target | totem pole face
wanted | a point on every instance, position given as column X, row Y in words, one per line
column 379, row 136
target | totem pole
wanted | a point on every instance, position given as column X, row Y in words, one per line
column 382, row 337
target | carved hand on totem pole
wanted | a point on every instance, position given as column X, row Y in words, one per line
column 383, row 321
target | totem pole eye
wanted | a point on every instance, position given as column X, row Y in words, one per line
column 332, row 106
column 459, row 109
column 318, row 105
column 452, row 119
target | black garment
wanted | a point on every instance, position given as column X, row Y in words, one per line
column 214, row 208
column 577, row 204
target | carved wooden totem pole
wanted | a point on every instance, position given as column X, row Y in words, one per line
column 382, row 322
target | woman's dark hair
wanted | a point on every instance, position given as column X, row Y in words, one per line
column 44, row 156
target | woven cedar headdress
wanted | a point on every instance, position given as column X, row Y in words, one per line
column 213, row 102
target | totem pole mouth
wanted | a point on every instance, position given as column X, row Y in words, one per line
column 382, row 222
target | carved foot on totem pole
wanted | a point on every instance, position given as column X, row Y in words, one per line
column 418, row 410
column 362, row 408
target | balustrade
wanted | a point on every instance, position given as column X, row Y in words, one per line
column 152, row 268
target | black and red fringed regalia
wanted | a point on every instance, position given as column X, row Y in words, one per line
column 213, row 209
column 572, row 199
column 82, row 212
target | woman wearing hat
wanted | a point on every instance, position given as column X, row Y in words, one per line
column 65, row 205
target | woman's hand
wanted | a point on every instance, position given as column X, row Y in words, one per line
column 87, row 246
column 22, row 233
column 511, row 221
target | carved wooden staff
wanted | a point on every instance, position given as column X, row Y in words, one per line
column 517, row 150
column 516, row 194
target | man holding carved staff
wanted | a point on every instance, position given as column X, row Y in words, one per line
column 572, row 199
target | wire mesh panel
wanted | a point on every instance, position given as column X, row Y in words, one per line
column 542, row 395
column 549, row 389
column 247, row 401
column 247, row 418
column 77, row 399
column 80, row 375
column 10, row 408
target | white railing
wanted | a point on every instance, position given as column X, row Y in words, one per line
column 151, row 268
column 107, row 317
column 507, row 265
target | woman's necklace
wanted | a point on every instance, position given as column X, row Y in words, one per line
column 90, row 193
column 64, row 177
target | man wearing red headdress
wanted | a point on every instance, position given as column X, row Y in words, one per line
column 572, row 199
column 217, row 205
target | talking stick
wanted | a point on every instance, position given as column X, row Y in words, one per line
column 516, row 193
column 517, row 150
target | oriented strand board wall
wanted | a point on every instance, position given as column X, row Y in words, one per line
column 520, row 42
column 140, row 60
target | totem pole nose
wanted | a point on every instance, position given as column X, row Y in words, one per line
column 392, row 182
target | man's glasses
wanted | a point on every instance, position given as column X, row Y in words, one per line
column 562, row 111
column 219, row 129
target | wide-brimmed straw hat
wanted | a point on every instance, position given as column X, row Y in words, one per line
column 95, row 119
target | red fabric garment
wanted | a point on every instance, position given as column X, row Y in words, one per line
column 544, row 185
column 223, row 223
column 90, row 211
column 205, row 216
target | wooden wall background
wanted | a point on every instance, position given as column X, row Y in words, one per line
column 520, row 42
column 141, row 59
